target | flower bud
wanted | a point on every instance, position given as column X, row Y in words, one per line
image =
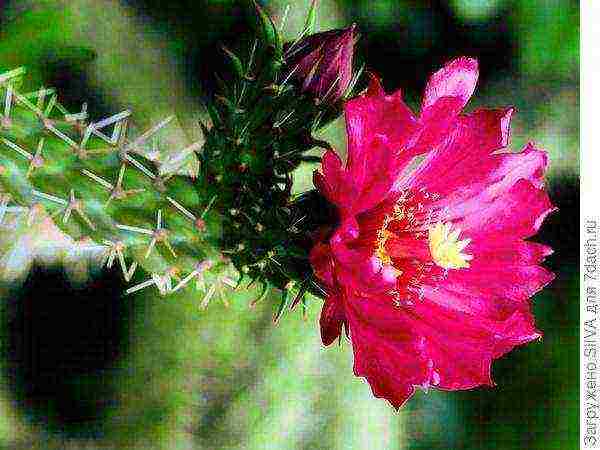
column 322, row 63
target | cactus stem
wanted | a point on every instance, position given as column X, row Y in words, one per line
column 36, row 161
column 4, row 201
column 101, row 181
column 76, row 205
column 21, row 151
column 187, row 213
column 138, row 165
column 50, row 197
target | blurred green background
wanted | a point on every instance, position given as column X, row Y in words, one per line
column 83, row 367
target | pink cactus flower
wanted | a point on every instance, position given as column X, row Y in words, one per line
column 429, row 270
column 322, row 63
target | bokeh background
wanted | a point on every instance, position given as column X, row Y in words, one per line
column 81, row 366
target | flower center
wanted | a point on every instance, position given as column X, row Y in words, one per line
column 382, row 237
column 411, row 236
column 445, row 247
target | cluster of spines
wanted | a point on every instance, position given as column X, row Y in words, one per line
column 262, row 129
column 96, row 184
column 89, row 176
column 238, row 215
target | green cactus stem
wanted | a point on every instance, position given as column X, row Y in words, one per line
column 217, row 214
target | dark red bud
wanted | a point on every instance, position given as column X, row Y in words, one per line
column 322, row 63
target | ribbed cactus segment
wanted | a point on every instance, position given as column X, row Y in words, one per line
column 263, row 126
column 93, row 179
column 231, row 208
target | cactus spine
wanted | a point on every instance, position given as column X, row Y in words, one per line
column 237, row 221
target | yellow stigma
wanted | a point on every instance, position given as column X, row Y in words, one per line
column 446, row 249
column 380, row 251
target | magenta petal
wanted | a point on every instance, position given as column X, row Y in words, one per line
column 393, row 364
column 465, row 159
column 333, row 183
column 332, row 319
column 419, row 317
column 375, row 113
column 380, row 170
column 456, row 79
column 489, row 128
column 520, row 213
column 322, row 263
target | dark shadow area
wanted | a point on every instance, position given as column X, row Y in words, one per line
column 61, row 346
column 402, row 50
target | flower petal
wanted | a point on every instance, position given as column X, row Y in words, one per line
column 391, row 360
column 456, row 79
column 332, row 319
column 519, row 213
column 465, row 157
column 322, row 263
column 375, row 113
